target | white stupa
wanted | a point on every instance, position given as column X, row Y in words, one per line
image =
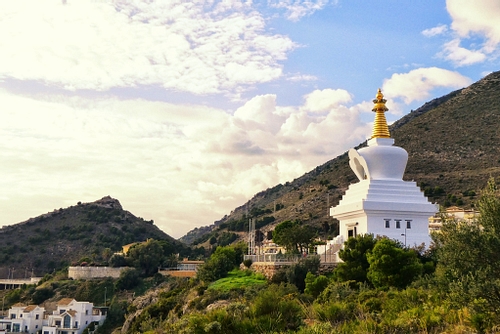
column 382, row 203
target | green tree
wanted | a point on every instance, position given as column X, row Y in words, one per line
column 296, row 274
column 315, row 285
column 146, row 257
column 280, row 235
column 293, row 236
column 168, row 247
column 117, row 261
column 171, row 261
column 355, row 265
column 392, row 265
column 219, row 264
column 129, row 279
column 227, row 238
column 107, row 253
column 469, row 260
column 42, row 294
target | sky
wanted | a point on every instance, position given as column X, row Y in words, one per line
column 184, row 110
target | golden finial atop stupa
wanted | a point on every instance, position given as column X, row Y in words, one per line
column 380, row 128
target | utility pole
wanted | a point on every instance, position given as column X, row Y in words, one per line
column 251, row 236
column 327, row 204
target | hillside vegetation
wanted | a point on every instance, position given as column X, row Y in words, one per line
column 93, row 231
column 452, row 142
column 381, row 287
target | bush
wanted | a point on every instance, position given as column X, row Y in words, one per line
column 337, row 291
column 315, row 285
column 117, row 261
column 129, row 279
column 13, row 296
column 42, row 294
column 247, row 263
column 296, row 274
column 392, row 265
column 221, row 262
column 279, row 277
column 276, row 309
column 354, row 255
column 335, row 312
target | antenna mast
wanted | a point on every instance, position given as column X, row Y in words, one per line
column 251, row 235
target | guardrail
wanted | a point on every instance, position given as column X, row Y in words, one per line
column 290, row 258
column 282, row 258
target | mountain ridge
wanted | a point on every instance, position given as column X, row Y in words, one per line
column 56, row 239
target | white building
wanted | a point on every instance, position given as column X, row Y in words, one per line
column 382, row 203
column 453, row 213
column 72, row 317
column 23, row 318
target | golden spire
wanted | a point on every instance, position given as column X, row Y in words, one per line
column 380, row 128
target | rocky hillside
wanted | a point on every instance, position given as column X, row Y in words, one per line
column 453, row 145
column 58, row 238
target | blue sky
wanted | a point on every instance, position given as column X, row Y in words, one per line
column 184, row 110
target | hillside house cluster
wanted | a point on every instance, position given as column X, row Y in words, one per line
column 70, row 317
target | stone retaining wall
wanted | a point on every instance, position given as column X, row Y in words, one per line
column 94, row 272
column 178, row 273
column 268, row 269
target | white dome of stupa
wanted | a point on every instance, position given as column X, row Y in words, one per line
column 380, row 160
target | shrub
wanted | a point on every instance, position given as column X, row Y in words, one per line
column 276, row 309
column 220, row 263
column 391, row 265
column 129, row 279
column 247, row 263
column 337, row 291
column 42, row 294
column 335, row 312
column 315, row 285
column 117, row 261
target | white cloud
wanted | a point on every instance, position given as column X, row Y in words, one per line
column 480, row 17
column 259, row 114
column 438, row 30
column 417, row 84
column 187, row 46
column 295, row 10
column 326, row 99
column 461, row 56
column 472, row 19
column 301, row 77
column 155, row 159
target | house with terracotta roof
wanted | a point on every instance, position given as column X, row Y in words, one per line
column 23, row 318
